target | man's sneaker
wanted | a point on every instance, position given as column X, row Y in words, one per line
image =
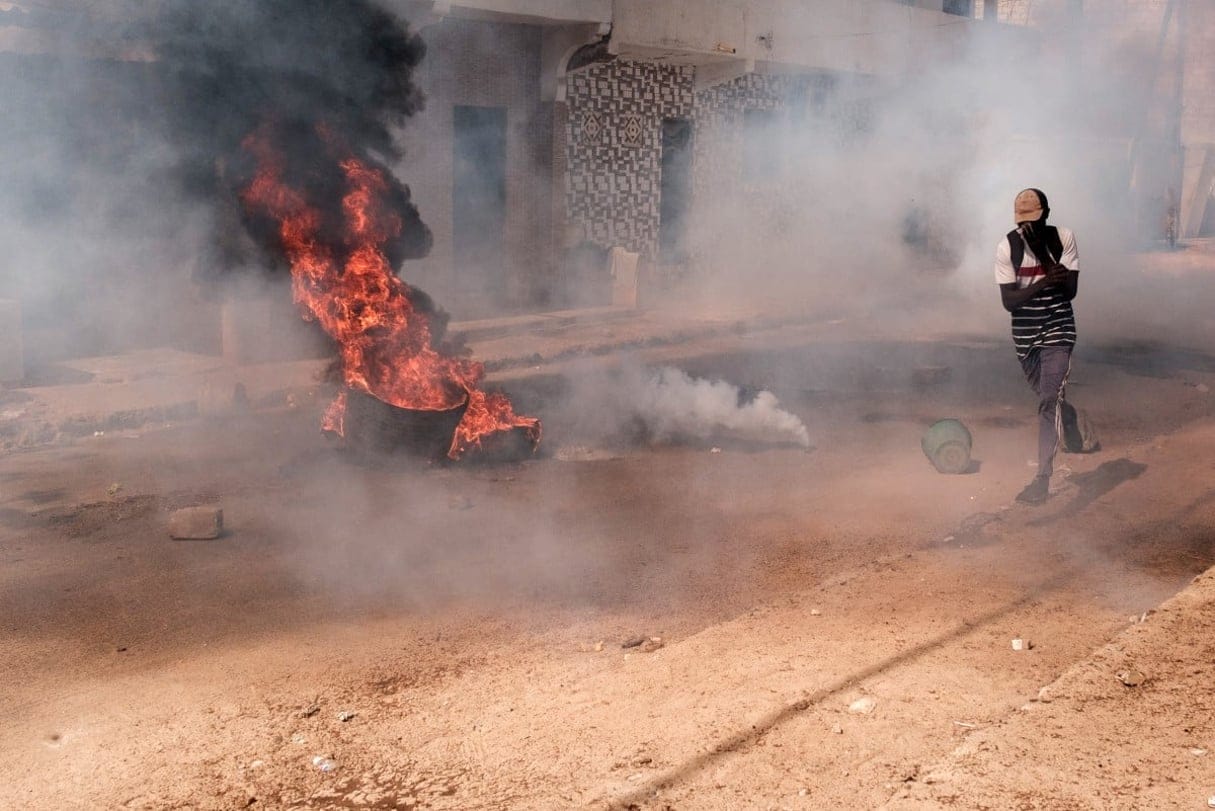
column 1035, row 492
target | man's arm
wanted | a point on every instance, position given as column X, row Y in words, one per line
column 1070, row 281
column 1012, row 297
column 1070, row 261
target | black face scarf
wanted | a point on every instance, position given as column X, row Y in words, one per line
column 1034, row 232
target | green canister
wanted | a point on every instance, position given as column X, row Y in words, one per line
column 947, row 446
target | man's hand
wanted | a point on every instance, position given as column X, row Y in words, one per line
column 1056, row 275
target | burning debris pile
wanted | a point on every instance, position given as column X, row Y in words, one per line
column 350, row 289
column 291, row 110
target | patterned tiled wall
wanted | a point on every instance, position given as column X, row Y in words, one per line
column 719, row 145
column 614, row 147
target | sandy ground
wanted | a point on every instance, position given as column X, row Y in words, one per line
column 821, row 629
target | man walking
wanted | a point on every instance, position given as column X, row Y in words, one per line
column 1037, row 269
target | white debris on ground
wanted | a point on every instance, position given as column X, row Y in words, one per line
column 863, row 705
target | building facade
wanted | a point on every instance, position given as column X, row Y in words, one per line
column 556, row 130
column 609, row 124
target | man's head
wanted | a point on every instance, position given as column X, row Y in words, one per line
column 1031, row 206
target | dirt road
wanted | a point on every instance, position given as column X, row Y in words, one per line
column 822, row 629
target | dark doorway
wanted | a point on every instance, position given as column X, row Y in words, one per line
column 479, row 197
column 675, row 190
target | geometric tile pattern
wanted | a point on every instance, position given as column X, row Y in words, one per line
column 632, row 130
column 614, row 144
column 614, row 141
column 592, row 127
column 718, row 146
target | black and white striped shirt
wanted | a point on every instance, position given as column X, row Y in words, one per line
column 1046, row 319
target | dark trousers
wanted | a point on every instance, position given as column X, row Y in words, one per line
column 1046, row 368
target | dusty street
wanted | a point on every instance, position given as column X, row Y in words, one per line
column 821, row 629
column 536, row 405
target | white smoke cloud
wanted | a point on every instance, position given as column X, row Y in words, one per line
column 666, row 404
column 674, row 404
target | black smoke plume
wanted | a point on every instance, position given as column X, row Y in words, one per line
column 316, row 73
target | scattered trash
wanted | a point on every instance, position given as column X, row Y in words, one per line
column 1198, row 751
column 1045, row 696
column 323, row 763
column 114, row 488
column 346, row 715
column 1211, row 801
column 122, row 649
column 1022, row 644
column 257, row 764
column 1203, row 387
column 801, row 792
column 99, row 433
column 714, row 450
column 309, row 711
column 965, row 725
column 814, row 612
column 947, row 445
column 837, row 729
column 863, row 705
column 633, row 642
column 1131, row 678
column 297, row 738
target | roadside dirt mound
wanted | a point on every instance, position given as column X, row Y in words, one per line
column 1130, row 727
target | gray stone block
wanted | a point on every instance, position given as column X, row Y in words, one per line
column 196, row 523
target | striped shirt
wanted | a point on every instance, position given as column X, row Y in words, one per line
column 1047, row 318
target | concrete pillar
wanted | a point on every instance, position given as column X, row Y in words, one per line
column 12, row 364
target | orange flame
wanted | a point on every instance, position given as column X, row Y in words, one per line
column 385, row 344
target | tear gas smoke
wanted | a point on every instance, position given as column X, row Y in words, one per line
column 667, row 404
column 671, row 404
